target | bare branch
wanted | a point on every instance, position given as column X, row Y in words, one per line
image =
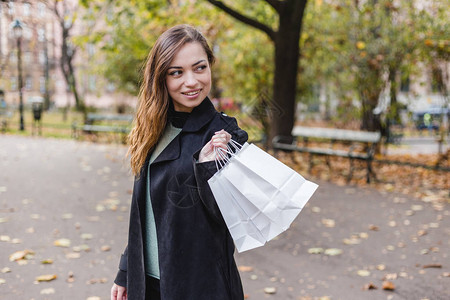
column 244, row 19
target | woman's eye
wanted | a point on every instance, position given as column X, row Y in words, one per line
column 201, row 68
column 175, row 73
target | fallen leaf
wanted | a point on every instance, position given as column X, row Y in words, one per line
column 434, row 225
column 253, row 277
column 3, row 220
column 80, row 248
column 62, row 243
column 100, row 208
column 363, row 273
column 315, row 250
column 2, row 281
column 16, row 241
column 373, row 227
column 381, row 267
column 4, row 238
column 71, row 277
column 47, row 277
column 446, row 274
column 438, row 266
column 409, row 212
column 390, row 276
column 5, row 270
column 422, row 232
column 270, row 290
column 417, row 207
column 351, row 241
column 105, row 248
column 333, row 252
column 370, row 286
column 315, row 209
column 388, row 286
column 93, row 298
column 48, row 261
column 364, row 235
column 86, row 236
column 245, row 268
column 424, row 251
column 48, row 291
column 330, row 223
column 73, row 255
column 20, row 255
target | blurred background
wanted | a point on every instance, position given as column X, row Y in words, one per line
column 70, row 72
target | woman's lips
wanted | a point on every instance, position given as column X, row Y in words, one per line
column 192, row 94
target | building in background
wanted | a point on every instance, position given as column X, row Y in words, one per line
column 41, row 54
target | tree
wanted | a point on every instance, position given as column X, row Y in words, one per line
column 286, row 56
column 66, row 15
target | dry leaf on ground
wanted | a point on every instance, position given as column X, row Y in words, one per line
column 245, row 268
column 19, row 255
column 46, row 277
column 65, row 243
column 388, row 286
column 270, row 290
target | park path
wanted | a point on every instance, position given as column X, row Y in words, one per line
column 66, row 191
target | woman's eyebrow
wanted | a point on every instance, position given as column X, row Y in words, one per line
column 199, row 62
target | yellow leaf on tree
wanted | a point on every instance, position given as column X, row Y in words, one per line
column 360, row 45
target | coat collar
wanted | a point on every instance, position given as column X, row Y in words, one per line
column 199, row 117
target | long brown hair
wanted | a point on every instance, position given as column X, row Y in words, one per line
column 153, row 99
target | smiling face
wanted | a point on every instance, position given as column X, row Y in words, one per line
column 188, row 78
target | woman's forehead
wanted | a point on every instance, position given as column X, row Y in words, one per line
column 189, row 54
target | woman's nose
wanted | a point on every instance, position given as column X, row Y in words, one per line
column 190, row 80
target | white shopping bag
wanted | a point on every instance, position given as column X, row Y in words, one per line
column 245, row 234
column 269, row 193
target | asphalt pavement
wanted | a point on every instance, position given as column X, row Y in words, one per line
column 66, row 205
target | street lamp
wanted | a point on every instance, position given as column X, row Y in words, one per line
column 17, row 27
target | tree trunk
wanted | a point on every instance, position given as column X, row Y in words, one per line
column 68, row 71
column 393, row 113
column 370, row 121
column 287, row 53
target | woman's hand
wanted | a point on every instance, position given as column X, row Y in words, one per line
column 220, row 139
column 118, row 292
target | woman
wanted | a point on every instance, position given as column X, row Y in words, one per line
column 178, row 245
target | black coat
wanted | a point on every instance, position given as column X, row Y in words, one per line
column 194, row 246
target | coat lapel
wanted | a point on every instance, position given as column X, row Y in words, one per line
column 199, row 117
column 171, row 152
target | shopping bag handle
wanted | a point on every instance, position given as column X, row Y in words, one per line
column 223, row 156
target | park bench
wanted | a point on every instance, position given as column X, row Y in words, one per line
column 5, row 115
column 116, row 124
column 358, row 145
